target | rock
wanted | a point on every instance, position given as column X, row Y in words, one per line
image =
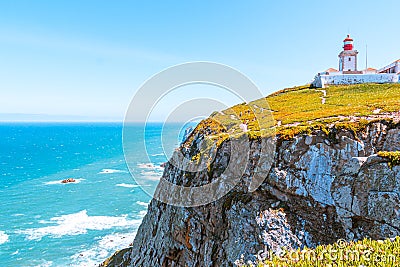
column 120, row 258
column 308, row 140
column 243, row 127
column 324, row 190
column 276, row 204
column 353, row 166
column 276, row 233
column 187, row 133
column 392, row 142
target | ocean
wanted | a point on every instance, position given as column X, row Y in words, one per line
column 46, row 223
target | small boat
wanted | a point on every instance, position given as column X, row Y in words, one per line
column 69, row 180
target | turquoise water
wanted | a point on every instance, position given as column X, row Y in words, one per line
column 46, row 223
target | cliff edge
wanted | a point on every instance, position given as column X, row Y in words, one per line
column 329, row 180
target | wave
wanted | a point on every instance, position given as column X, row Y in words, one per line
column 151, row 175
column 3, row 237
column 150, row 166
column 142, row 213
column 158, row 154
column 77, row 181
column 108, row 171
column 127, row 185
column 76, row 224
column 44, row 263
column 103, row 249
column 141, row 203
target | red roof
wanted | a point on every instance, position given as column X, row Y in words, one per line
column 331, row 70
column 348, row 38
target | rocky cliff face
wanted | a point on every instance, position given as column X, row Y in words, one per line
column 321, row 187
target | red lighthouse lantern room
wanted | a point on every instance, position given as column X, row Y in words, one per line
column 348, row 43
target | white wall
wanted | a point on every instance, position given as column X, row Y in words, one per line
column 349, row 65
column 322, row 80
column 366, row 71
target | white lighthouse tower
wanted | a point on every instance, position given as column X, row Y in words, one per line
column 348, row 57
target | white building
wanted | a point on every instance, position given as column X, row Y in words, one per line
column 348, row 73
column 392, row 68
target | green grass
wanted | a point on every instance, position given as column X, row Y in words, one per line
column 299, row 110
column 302, row 106
column 345, row 100
column 366, row 252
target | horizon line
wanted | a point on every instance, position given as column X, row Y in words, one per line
column 84, row 121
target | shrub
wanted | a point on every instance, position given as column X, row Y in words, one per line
column 366, row 252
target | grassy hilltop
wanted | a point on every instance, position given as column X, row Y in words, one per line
column 302, row 109
column 305, row 104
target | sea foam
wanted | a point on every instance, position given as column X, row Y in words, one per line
column 44, row 263
column 141, row 203
column 127, row 185
column 150, row 166
column 103, row 249
column 75, row 224
column 158, row 154
column 151, row 175
column 77, row 181
column 3, row 237
column 108, row 171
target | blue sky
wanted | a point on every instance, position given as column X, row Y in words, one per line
column 85, row 59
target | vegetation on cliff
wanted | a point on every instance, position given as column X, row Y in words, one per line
column 366, row 252
column 305, row 104
column 300, row 110
column 117, row 259
column 392, row 156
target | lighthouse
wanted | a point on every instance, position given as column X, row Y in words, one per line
column 348, row 73
column 348, row 57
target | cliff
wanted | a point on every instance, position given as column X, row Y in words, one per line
column 328, row 180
